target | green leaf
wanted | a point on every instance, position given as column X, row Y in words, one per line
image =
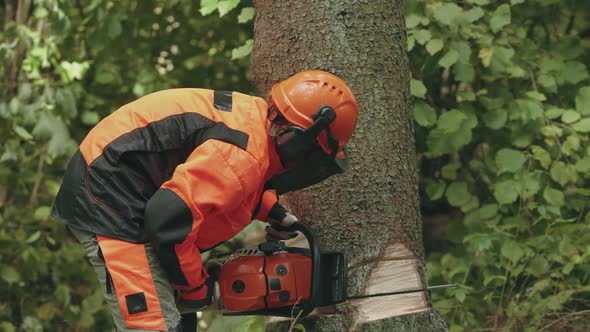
column 225, row 6
column 526, row 109
column 449, row 171
column 473, row 14
column 583, row 100
column 434, row 46
column 583, row 165
column 573, row 72
column 509, row 160
column 243, row 51
column 479, row 2
column 34, row 237
column 446, row 13
column 457, row 194
column 553, row 197
column 506, row 192
column 562, row 173
column 114, row 27
column 548, row 82
column 472, row 204
column 90, row 118
column 23, row 133
column 42, row 213
column 417, row 88
column 435, row 189
column 9, row 274
column 530, row 183
column 422, row 36
column 538, row 266
column 449, row 58
column 554, row 112
column 500, row 18
column 536, row 96
column 495, row 119
column 413, row 21
column 54, row 129
column 571, row 144
column 516, row 2
column 424, row 114
column 486, row 54
column 552, row 131
column 246, row 15
column 570, row 117
column 464, row 51
column 440, row 142
column 451, row 121
column 411, row 42
column 488, row 211
column 582, row 126
column 66, row 102
column 463, row 72
column 208, row 7
column 73, row 70
column 7, row 327
column 512, row 251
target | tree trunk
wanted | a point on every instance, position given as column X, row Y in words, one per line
column 372, row 213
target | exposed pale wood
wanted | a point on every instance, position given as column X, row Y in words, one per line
column 390, row 273
column 396, row 251
column 392, row 276
column 376, row 308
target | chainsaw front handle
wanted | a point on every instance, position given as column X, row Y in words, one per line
column 314, row 247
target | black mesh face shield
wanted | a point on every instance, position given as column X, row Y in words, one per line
column 318, row 167
column 306, row 162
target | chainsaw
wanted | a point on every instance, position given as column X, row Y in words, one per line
column 277, row 280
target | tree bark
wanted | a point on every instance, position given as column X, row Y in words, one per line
column 371, row 213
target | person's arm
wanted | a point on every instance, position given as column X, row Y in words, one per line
column 204, row 184
column 267, row 202
column 275, row 214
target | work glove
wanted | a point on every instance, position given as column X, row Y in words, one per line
column 197, row 300
column 278, row 219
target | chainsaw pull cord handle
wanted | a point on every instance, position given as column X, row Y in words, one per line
column 314, row 247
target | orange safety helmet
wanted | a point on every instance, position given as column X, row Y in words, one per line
column 299, row 98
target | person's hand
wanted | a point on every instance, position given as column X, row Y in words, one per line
column 278, row 219
column 197, row 300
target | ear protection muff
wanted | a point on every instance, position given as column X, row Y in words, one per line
column 295, row 143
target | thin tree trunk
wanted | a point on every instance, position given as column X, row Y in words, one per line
column 372, row 213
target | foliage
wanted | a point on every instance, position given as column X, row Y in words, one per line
column 503, row 111
column 66, row 65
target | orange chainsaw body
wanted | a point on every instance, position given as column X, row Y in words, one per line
column 251, row 282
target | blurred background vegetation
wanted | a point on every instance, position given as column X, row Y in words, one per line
column 502, row 110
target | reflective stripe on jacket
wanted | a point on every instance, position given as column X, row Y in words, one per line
column 183, row 168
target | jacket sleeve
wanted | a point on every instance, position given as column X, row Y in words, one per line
column 267, row 201
column 269, row 207
column 206, row 183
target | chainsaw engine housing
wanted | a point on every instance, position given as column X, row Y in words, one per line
column 274, row 283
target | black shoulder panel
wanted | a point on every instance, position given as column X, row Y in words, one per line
column 168, row 221
column 222, row 100
column 223, row 133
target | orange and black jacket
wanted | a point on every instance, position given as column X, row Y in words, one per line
column 182, row 168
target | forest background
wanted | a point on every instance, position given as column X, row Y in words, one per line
column 502, row 116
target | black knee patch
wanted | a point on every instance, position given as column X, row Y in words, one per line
column 136, row 303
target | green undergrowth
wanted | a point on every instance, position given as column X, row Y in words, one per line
column 502, row 114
